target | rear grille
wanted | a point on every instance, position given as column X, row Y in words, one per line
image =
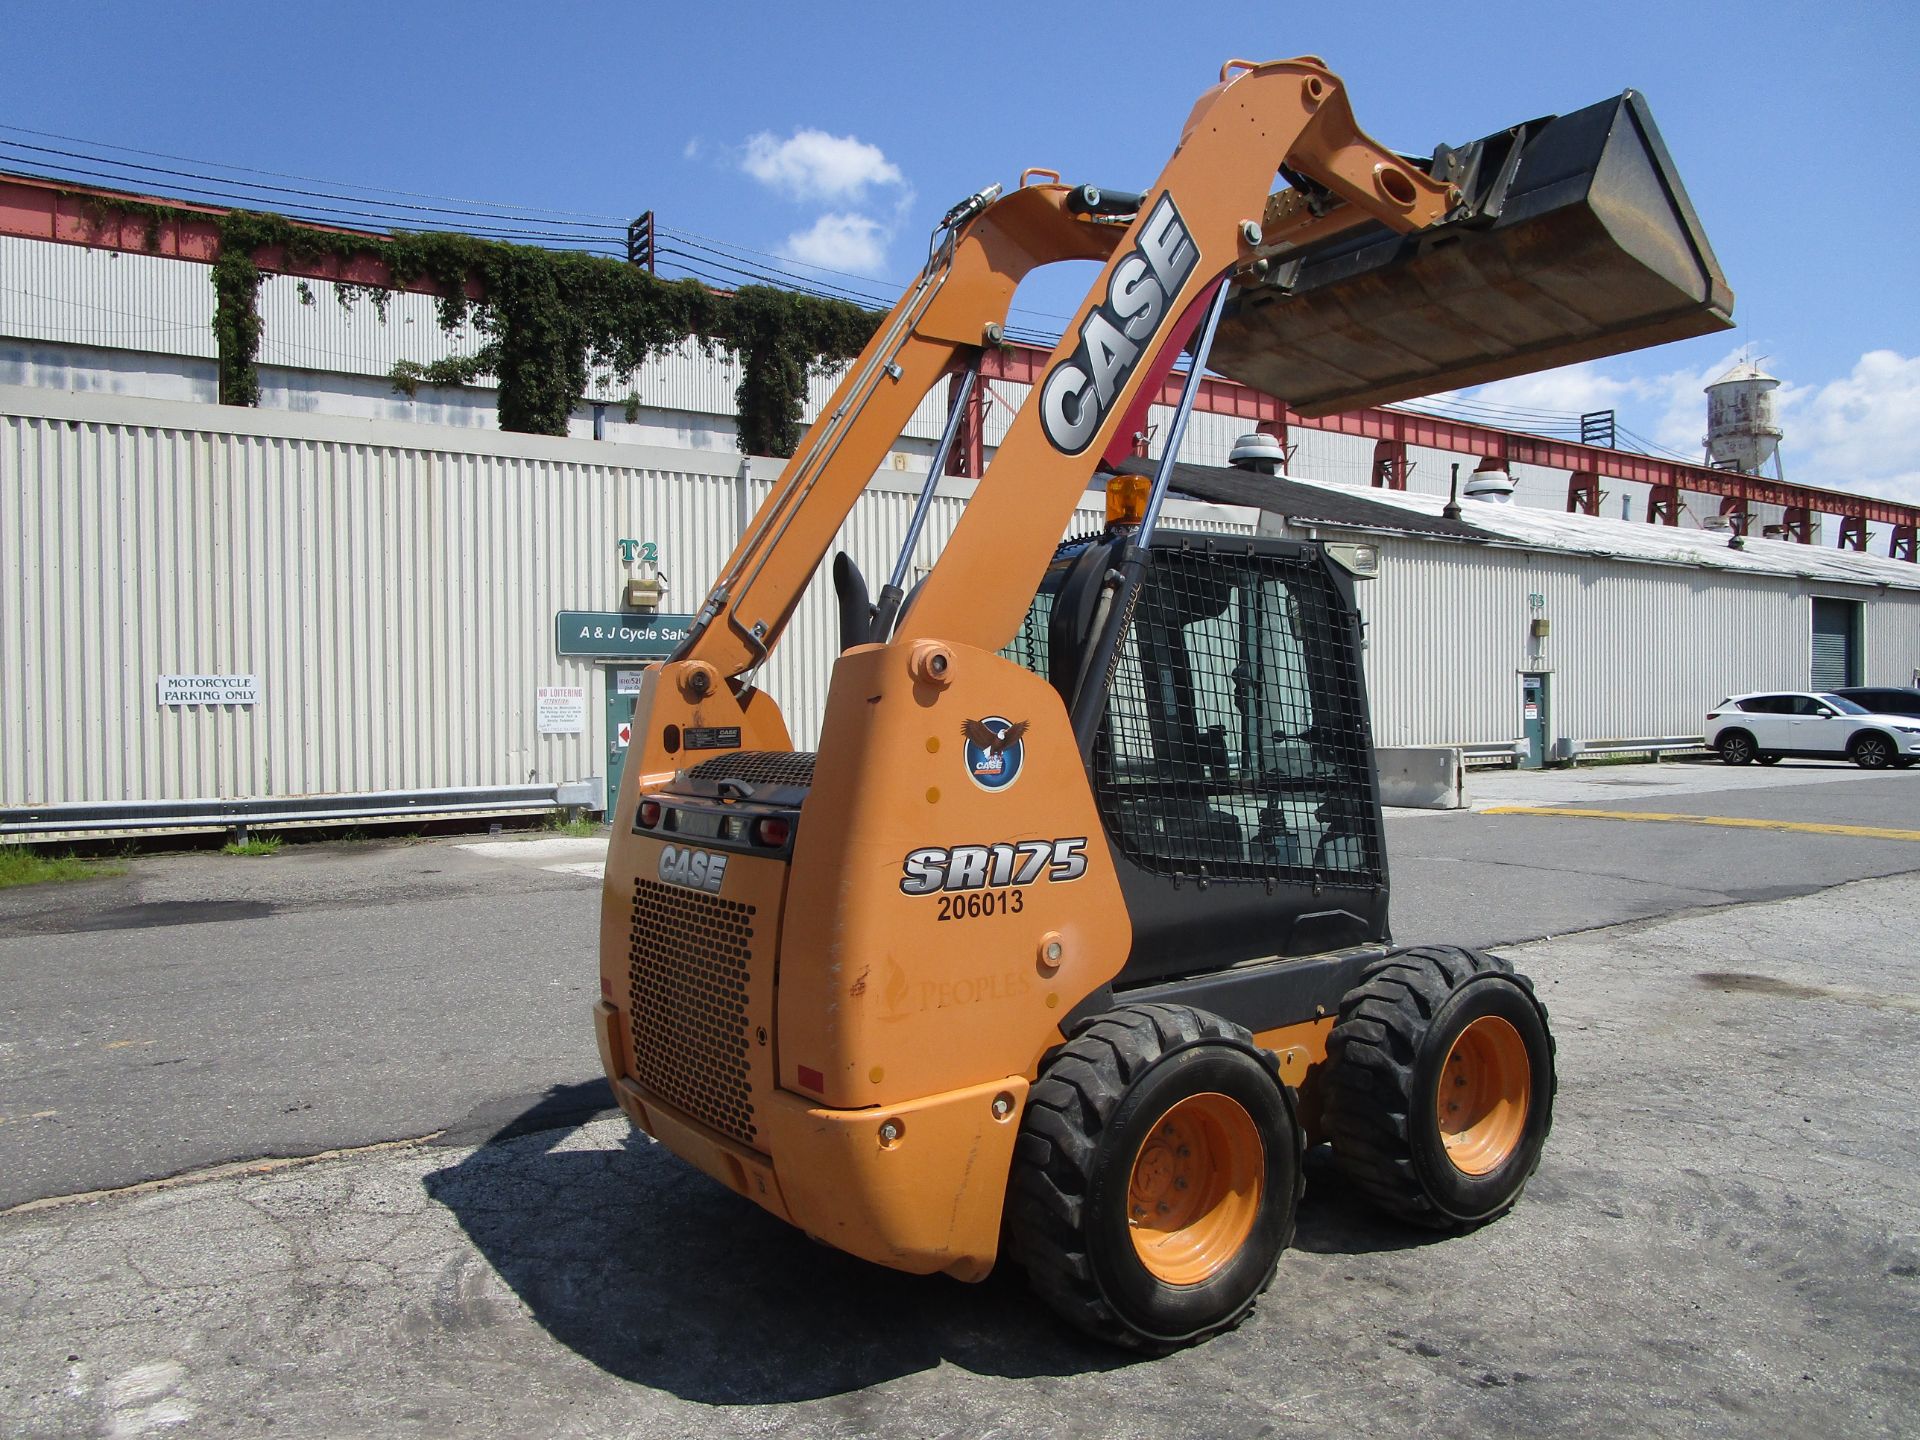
column 690, row 956
column 759, row 767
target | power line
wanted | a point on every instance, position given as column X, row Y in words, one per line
column 732, row 248
column 1558, row 418
column 303, row 194
column 787, row 277
column 724, row 265
column 346, row 205
column 1654, row 447
column 282, row 175
column 325, row 215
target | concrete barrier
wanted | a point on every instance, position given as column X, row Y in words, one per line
column 1422, row 777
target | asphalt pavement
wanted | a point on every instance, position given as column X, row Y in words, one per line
column 204, row 1009
column 1723, row 1240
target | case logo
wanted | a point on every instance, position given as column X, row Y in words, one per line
column 695, row 869
column 1080, row 390
column 995, row 751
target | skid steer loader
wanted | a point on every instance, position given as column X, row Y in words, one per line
column 1072, row 934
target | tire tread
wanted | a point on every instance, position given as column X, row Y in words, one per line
column 1374, row 1047
column 1069, row 1107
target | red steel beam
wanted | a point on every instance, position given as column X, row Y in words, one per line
column 1023, row 363
column 83, row 215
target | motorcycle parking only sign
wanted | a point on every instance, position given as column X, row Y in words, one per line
column 208, row 689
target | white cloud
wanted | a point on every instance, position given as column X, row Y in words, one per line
column 840, row 242
column 694, row 149
column 813, row 165
column 1860, row 432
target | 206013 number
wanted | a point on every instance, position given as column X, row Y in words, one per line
column 981, row 903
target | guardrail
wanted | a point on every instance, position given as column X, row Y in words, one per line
column 282, row 810
column 1569, row 751
column 1505, row 753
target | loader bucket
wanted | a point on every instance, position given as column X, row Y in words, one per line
column 1574, row 240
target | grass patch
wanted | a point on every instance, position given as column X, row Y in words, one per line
column 265, row 845
column 20, row 865
column 580, row 829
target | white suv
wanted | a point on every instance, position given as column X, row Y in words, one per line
column 1766, row 727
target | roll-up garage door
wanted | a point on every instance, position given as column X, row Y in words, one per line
column 1836, row 627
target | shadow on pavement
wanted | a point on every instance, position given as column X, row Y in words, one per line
column 663, row 1277
column 1336, row 1221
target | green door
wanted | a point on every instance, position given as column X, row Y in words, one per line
column 1836, row 644
column 622, row 686
column 1533, row 717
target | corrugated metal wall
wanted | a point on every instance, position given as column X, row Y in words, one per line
column 319, row 356
column 1636, row 650
column 392, row 586
column 1890, row 639
column 105, row 297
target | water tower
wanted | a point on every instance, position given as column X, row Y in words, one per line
column 1742, row 434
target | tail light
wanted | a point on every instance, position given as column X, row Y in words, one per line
column 772, row 831
column 649, row 814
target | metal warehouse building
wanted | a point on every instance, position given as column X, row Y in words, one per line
column 1565, row 634
column 392, row 592
column 349, row 601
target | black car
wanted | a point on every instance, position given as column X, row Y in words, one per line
column 1883, row 699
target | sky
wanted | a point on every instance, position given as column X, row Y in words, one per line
column 837, row 134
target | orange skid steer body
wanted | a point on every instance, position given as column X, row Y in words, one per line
column 1073, row 931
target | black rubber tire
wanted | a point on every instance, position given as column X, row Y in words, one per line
column 1769, row 759
column 1736, row 747
column 1386, row 1053
column 1871, row 750
column 1097, row 1099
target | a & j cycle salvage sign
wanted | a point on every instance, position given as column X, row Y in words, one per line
column 618, row 632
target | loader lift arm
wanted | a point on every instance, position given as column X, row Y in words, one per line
column 1258, row 119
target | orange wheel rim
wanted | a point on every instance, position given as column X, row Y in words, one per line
column 1485, row 1086
column 1195, row 1188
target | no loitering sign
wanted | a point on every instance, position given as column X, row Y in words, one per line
column 208, row 689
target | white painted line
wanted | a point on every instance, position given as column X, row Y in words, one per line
column 544, row 851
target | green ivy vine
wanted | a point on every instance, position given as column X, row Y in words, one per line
column 545, row 319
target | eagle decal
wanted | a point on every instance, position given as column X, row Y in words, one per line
column 994, row 742
column 995, row 750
